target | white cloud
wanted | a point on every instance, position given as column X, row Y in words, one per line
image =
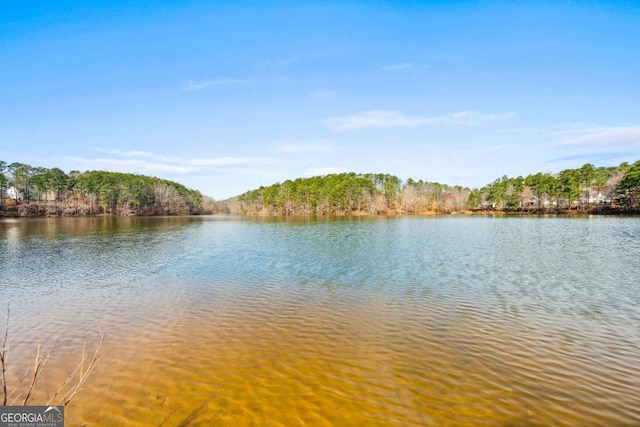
column 228, row 161
column 372, row 118
column 404, row 67
column 196, row 85
column 133, row 153
column 276, row 63
column 127, row 165
column 316, row 146
column 396, row 119
column 519, row 130
column 397, row 67
column 614, row 136
column 473, row 117
column 323, row 171
column 149, row 163
column 585, row 135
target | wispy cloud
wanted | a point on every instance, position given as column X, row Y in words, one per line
column 373, row 118
column 324, row 171
column 143, row 166
column 131, row 153
column 196, row 85
column 396, row 119
column 397, row 67
column 404, row 66
column 597, row 157
column 604, row 137
column 276, row 63
column 473, row 117
column 149, row 163
column 316, row 146
column 585, row 135
column 229, row 161
column 566, row 144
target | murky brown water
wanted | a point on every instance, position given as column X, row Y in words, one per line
column 405, row 322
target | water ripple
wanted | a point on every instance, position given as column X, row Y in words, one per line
column 448, row 321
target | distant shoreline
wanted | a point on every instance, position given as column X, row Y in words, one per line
column 26, row 191
column 34, row 210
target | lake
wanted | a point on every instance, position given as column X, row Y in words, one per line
column 460, row 321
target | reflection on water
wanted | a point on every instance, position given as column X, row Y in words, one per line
column 388, row 322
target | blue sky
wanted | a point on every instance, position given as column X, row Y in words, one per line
column 227, row 96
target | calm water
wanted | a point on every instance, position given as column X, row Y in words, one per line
column 459, row 321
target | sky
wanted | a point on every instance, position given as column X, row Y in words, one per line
column 226, row 96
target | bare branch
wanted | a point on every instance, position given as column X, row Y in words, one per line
column 84, row 375
column 82, row 372
column 38, row 367
column 3, row 359
column 16, row 388
column 64, row 384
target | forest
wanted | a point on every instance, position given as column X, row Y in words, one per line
column 588, row 189
column 36, row 191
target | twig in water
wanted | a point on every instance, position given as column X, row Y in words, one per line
column 3, row 360
column 39, row 364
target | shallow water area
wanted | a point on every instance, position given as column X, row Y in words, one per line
column 321, row 322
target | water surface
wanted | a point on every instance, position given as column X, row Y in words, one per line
column 378, row 322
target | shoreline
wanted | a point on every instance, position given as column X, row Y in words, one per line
column 596, row 210
column 47, row 211
column 344, row 215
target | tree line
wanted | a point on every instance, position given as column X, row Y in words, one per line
column 348, row 194
column 585, row 189
column 36, row 191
